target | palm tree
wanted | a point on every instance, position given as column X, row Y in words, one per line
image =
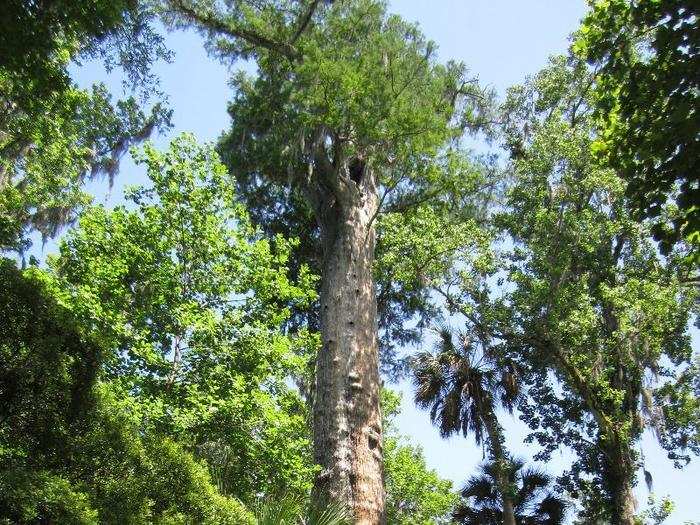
column 291, row 510
column 533, row 502
column 463, row 384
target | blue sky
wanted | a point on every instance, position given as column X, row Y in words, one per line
column 501, row 41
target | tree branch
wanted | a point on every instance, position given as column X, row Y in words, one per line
column 305, row 21
column 213, row 23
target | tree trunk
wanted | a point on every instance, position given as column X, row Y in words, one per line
column 500, row 459
column 619, row 462
column 618, row 473
column 347, row 420
column 624, row 504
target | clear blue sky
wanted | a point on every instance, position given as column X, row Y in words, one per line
column 501, row 41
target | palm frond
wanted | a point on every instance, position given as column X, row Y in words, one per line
column 428, row 379
column 535, row 504
column 285, row 511
column 551, row 510
column 466, row 515
column 331, row 514
column 291, row 510
column 482, row 488
column 532, row 482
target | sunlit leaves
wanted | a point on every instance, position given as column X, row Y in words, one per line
column 646, row 98
column 188, row 299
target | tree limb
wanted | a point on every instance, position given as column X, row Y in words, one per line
column 213, row 23
column 305, row 21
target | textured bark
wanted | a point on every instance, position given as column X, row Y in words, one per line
column 500, row 459
column 624, row 505
column 618, row 474
column 619, row 464
column 347, row 420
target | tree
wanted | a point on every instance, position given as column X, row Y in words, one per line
column 354, row 115
column 415, row 494
column 69, row 451
column 592, row 301
column 187, row 300
column 463, row 389
column 646, row 94
column 534, row 502
column 54, row 136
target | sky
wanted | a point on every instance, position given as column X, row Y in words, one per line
column 501, row 41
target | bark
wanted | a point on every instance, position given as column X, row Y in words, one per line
column 500, row 458
column 619, row 464
column 347, row 420
column 618, row 473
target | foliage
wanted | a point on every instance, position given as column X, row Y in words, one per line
column 32, row 496
column 679, row 402
column 657, row 511
column 592, row 300
column 295, row 511
column 69, row 451
column 147, row 374
column 45, row 384
column 40, row 38
column 46, row 158
column 421, row 246
column 416, row 495
column 463, row 386
column 54, row 136
column 646, row 96
column 49, row 367
column 534, row 501
column 347, row 118
column 188, row 301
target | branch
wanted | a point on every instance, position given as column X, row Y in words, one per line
column 213, row 23
column 305, row 21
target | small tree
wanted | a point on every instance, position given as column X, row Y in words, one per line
column 415, row 494
column 188, row 302
column 592, row 301
column 534, row 503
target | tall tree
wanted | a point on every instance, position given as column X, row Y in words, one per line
column 647, row 91
column 353, row 114
column 463, row 389
column 592, row 300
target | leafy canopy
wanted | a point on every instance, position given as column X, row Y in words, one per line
column 592, row 300
column 53, row 135
column 70, row 449
column 646, row 99
column 364, row 90
column 188, row 300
